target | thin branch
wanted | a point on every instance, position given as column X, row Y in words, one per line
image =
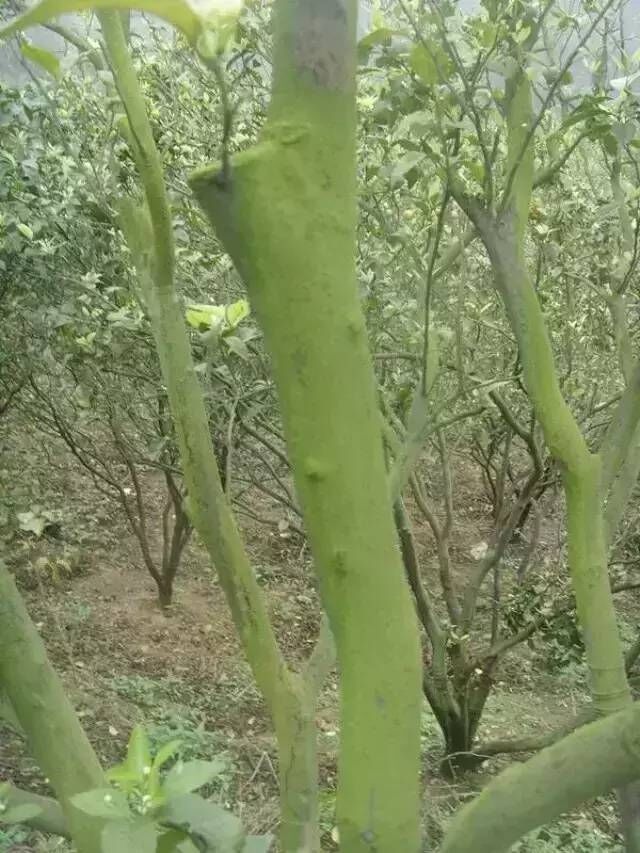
column 498, row 649
column 547, row 102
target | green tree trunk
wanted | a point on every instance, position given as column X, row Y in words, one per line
column 503, row 236
column 583, row 765
column 286, row 212
column 588, row 552
column 208, row 507
column 298, row 771
column 56, row 738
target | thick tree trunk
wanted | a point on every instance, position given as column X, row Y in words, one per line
column 581, row 470
column 460, row 727
column 286, row 213
column 458, row 756
column 588, row 562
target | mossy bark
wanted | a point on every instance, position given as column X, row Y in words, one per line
column 286, row 695
column 213, row 520
column 56, row 738
column 590, row 762
column 286, row 212
column 298, row 771
column 503, row 236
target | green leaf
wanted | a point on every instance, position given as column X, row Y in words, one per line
column 178, row 13
column 186, row 777
column 154, row 786
column 103, row 802
column 44, row 58
column 624, row 132
column 382, row 35
column 430, row 63
column 169, row 840
column 123, row 777
column 522, row 34
column 419, row 123
column 138, row 753
column 175, row 841
column 408, row 161
column 221, row 317
column 589, row 108
column 136, row 836
column 487, row 32
column 218, row 828
column 25, row 230
column 20, row 814
column 238, row 346
column 166, row 751
column 422, row 63
column 620, row 83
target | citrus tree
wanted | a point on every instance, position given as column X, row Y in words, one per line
column 284, row 208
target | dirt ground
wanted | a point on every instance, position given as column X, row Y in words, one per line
column 183, row 675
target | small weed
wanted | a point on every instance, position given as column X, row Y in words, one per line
column 10, row 836
column 76, row 614
column 196, row 741
column 52, row 845
column 568, row 837
column 153, row 692
column 174, row 712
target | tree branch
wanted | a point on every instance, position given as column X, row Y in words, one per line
column 591, row 761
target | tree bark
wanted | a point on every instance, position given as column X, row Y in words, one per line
column 208, row 507
column 298, row 773
column 286, row 213
column 590, row 762
column 504, row 239
column 56, row 738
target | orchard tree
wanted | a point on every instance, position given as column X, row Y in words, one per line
column 486, row 161
column 285, row 210
column 436, row 92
